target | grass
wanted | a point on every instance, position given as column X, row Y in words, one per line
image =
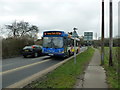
column 66, row 75
column 112, row 72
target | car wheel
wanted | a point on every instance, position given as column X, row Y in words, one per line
column 68, row 54
column 35, row 54
column 24, row 56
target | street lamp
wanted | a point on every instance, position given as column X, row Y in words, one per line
column 74, row 35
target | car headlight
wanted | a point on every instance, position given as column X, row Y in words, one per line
column 62, row 52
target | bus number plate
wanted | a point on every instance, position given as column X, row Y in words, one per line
column 50, row 54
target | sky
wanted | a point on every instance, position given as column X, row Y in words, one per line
column 60, row 14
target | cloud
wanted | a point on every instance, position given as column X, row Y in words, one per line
column 8, row 8
column 59, row 14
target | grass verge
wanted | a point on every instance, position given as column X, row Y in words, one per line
column 112, row 72
column 66, row 75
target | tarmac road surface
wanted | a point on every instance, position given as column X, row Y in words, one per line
column 19, row 68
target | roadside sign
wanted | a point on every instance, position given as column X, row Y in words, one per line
column 88, row 36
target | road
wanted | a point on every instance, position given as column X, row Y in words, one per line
column 19, row 68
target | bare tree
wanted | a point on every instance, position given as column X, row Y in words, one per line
column 2, row 31
column 34, row 30
column 21, row 28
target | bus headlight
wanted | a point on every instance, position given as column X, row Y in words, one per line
column 62, row 52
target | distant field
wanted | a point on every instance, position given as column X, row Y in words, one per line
column 112, row 72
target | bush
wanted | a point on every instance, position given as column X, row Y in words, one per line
column 12, row 46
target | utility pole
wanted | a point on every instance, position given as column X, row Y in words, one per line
column 110, row 40
column 102, row 35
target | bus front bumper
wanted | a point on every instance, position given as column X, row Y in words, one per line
column 55, row 54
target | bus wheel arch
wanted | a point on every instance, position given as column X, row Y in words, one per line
column 77, row 51
column 68, row 53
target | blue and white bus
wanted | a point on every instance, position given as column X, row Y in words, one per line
column 59, row 43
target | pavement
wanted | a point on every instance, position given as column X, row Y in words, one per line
column 94, row 76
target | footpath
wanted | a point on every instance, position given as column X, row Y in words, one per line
column 94, row 76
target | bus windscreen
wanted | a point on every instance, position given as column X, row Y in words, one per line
column 53, row 42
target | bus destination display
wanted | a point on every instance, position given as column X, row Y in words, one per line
column 52, row 33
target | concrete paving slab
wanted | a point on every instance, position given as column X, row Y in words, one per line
column 94, row 76
column 96, row 60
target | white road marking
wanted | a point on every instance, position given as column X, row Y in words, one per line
column 25, row 59
column 22, row 67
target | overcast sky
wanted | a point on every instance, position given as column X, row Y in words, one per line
column 60, row 14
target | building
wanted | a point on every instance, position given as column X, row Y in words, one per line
column 88, row 38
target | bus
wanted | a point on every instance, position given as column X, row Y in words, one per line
column 59, row 43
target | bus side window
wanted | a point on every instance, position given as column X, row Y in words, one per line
column 72, row 41
column 68, row 42
column 76, row 43
column 65, row 41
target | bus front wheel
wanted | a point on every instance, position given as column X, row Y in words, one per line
column 68, row 54
column 77, row 51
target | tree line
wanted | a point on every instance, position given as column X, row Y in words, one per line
column 19, row 35
column 106, row 42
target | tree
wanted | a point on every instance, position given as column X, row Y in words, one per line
column 34, row 30
column 19, row 29
column 82, row 42
column 2, row 32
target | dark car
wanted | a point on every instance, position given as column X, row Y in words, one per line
column 34, row 51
